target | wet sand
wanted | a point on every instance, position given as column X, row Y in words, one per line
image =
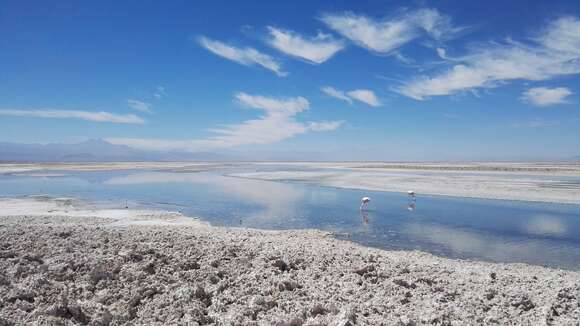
column 64, row 263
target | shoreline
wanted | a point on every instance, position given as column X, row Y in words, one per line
column 542, row 168
column 533, row 182
column 349, row 187
column 65, row 263
column 516, row 187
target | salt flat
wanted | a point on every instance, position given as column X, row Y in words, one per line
column 69, row 264
column 542, row 182
column 100, row 166
column 558, row 183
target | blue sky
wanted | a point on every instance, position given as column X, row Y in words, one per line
column 382, row 80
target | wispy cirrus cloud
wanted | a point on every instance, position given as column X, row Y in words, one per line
column 324, row 125
column 333, row 92
column 277, row 122
column 365, row 96
column 362, row 95
column 315, row 50
column 536, row 123
column 543, row 96
column 100, row 116
column 244, row 56
column 139, row 105
column 554, row 52
column 386, row 35
column 159, row 92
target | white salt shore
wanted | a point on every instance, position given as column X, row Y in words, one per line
column 542, row 182
column 20, row 168
column 528, row 183
column 61, row 263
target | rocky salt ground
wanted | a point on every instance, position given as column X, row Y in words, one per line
column 74, row 270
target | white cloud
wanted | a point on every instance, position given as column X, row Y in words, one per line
column 272, row 105
column 159, row 92
column 325, row 125
column 139, row 106
column 543, row 96
column 278, row 122
column 314, row 50
column 333, row 92
column 246, row 56
column 362, row 95
column 365, row 96
column 384, row 36
column 442, row 53
column 555, row 52
column 562, row 35
column 74, row 114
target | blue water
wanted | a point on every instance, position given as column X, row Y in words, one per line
column 492, row 230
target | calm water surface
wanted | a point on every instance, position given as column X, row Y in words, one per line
column 494, row 230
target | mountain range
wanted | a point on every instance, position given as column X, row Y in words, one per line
column 98, row 150
column 94, row 150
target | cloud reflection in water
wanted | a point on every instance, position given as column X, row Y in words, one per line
column 545, row 225
column 277, row 201
column 463, row 243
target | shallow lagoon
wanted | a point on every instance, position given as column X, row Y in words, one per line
column 494, row 230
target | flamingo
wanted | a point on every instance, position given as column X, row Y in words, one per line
column 412, row 200
column 363, row 202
